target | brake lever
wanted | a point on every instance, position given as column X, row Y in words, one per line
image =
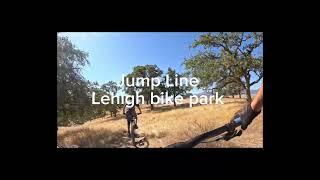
column 232, row 132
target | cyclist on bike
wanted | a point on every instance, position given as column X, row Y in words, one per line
column 130, row 113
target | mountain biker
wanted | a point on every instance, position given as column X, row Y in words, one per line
column 130, row 112
column 251, row 110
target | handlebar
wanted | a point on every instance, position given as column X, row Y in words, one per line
column 136, row 113
column 230, row 128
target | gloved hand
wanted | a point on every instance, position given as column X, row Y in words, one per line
column 246, row 114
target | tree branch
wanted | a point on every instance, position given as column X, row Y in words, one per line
column 235, row 80
column 257, row 73
column 242, row 84
column 240, row 43
column 256, row 81
column 248, row 72
column 224, row 47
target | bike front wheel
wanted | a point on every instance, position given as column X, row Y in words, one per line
column 138, row 142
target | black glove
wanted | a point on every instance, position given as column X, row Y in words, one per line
column 246, row 115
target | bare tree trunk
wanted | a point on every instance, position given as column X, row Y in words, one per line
column 151, row 105
column 248, row 93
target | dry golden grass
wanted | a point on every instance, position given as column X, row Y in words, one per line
column 165, row 125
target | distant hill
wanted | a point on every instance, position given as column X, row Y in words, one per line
column 203, row 93
column 253, row 92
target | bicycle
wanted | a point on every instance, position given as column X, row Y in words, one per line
column 141, row 142
column 226, row 132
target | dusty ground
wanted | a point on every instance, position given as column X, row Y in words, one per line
column 165, row 125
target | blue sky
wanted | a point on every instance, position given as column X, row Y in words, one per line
column 113, row 54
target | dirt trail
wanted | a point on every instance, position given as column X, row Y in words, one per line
column 163, row 126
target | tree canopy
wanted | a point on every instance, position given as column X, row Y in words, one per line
column 227, row 57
